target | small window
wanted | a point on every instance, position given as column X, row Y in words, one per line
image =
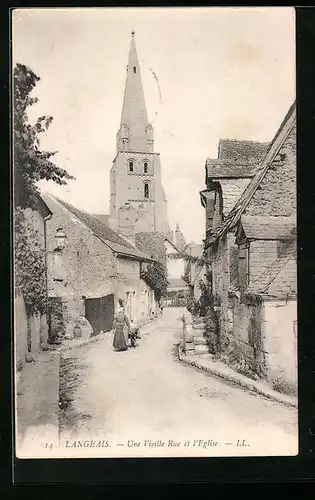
column 145, row 167
column 134, row 69
column 131, row 166
column 146, row 190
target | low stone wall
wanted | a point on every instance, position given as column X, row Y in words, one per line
column 245, row 342
column 20, row 331
column 279, row 335
column 30, row 332
column 263, row 340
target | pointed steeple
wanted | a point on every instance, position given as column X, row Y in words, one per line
column 135, row 133
column 179, row 238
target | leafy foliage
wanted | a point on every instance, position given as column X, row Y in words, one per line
column 205, row 308
column 188, row 258
column 31, row 164
column 29, row 264
column 191, row 304
column 57, row 326
column 155, row 275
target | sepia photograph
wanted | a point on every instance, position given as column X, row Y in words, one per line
column 154, row 231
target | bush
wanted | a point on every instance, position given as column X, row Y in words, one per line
column 29, row 265
column 57, row 324
column 212, row 330
column 191, row 304
column 155, row 275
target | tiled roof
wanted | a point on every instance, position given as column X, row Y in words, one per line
column 238, row 209
column 112, row 239
column 273, row 280
column 268, row 228
column 248, row 151
column 152, row 244
column 172, row 244
column 102, row 217
column 193, row 249
column 40, row 203
column 218, row 169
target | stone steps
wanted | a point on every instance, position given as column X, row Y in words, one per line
column 200, row 340
column 190, row 346
column 199, row 327
column 201, row 349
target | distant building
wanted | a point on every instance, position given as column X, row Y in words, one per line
column 177, row 288
column 250, row 204
column 195, row 268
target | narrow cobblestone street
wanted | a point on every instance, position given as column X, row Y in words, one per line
column 148, row 394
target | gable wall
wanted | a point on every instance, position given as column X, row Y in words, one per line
column 276, row 194
column 286, row 281
column 85, row 261
column 262, row 253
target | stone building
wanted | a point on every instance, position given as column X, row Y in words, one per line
column 136, row 192
column 195, row 270
column 93, row 269
column 250, row 240
column 31, row 331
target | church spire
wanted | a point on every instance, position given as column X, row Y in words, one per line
column 135, row 133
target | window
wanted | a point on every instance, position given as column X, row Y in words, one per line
column 146, row 190
column 131, row 166
column 134, row 69
column 145, row 167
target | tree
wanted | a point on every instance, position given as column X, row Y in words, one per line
column 31, row 164
column 155, row 275
column 30, row 270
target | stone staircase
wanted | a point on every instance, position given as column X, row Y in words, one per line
column 200, row 345
column 193, row 339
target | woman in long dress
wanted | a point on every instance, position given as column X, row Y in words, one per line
column 121, row 327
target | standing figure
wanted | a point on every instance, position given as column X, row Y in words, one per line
column 121, row 327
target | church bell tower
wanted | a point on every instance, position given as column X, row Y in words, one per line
column 136, row 191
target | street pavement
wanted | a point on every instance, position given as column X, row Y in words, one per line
column 145, row 402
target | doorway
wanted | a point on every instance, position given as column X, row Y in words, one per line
column 100, row 313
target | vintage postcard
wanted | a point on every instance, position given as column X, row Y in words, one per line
column 154, row 171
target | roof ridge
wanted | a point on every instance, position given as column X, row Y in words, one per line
column 250, row 190
column 228, row 161
column 244, row 140
column 120, row 243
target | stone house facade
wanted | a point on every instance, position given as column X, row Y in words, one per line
column 94, row 269
column 251, row 247
column 226, row 179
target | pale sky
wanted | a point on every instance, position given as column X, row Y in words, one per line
column 222, row 72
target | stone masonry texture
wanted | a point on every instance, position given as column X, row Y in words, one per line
column 276, row 194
